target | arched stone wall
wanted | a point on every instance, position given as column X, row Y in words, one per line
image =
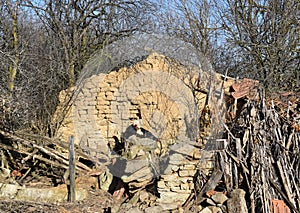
column 167, row 96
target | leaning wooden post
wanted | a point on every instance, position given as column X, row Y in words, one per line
column 72, row 195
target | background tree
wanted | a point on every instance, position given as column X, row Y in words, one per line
column 81, row 27
column 249, row 38
column 192, row 21
column 264, row 39
column 54, row 40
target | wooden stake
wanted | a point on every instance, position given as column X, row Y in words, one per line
column 72, row 195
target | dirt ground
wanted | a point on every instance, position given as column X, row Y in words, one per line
column 96, row 202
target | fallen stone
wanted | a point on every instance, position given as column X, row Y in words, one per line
column 210, row 202
column 144, row 196
column 137, row 184
column 206, row 210
column 153, row 209
column 8, row 191
column 168, row 206
column 172, row 197
column 51, row 194
column 183, row 148
column 237, row 202
column 215, row 209
column 141, row 175
column 176, row 159
column 219, row 198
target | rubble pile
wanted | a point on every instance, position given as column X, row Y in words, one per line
column 177, row 181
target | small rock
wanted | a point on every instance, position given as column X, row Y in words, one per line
column 168, row 206
column 219, row 198
column 153, row 209
column 237, row 202
column 134, row 200
column 135, row 210
column 187, row 173
column 206, row 210
column 173, row 197
column 215, row 209
column 210, row 202
column 144, row 196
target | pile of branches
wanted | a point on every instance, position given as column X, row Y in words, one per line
column 27, row 159
column 263, row 152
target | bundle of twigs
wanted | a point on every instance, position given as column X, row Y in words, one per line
column 264, row 153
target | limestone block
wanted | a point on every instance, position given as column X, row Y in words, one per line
column 143, row 174
column 104, row 108
column 175, row 178
column 176, row 189
column 89, row 107
column 187, row 173
column 215, row 209
column 109, row 93
column 51, row 194
column 161, row 184
column 206, row 165
column 188, row 167
column 139, row 184
column 219, row 198
column 40, row 195
column 174, row 168
column 173, row 197
column 237, row 202
column 89, row 83
column 92, row 103
column 168, row 206
column 94, row 91
column 210, row 202
column 176, row 159
column 8, row 191
column 191, row 185
column 206, row 210
column 183, row 148
column 153, row 209
column 185, row 186
column 170, row 177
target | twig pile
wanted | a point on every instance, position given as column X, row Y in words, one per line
column 263, row 154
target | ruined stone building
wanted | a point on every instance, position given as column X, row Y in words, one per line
column 166, row 95
column 180, row 105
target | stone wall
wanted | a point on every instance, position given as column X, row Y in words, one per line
column 176, row 183
column 165, row 94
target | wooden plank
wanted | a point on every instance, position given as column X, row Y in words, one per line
column 210, row 184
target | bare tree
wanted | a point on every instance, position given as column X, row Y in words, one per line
column 264, row 36
column 45, row 44
column 191, row 21
column 81, row 27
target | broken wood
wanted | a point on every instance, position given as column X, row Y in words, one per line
column 210, row 185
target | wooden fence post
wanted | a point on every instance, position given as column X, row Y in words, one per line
column 72, row 195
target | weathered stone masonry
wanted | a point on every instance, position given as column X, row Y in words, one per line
column 167, row 96
column 157, row 87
